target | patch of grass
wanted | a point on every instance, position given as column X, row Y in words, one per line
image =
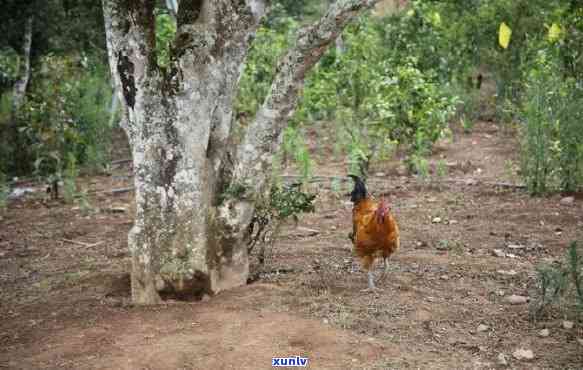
column 458, row 248
column 454, row 246
column 70, row 179
column 441, row 169
column 443, row 245
column 45, row 284
column 420, row 165
column 509, row 169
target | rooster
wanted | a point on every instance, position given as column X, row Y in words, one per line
column 375, row 232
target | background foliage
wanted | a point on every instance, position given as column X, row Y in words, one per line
column 395, row 79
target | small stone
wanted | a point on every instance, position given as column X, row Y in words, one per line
column 380, row 174
column 436, row 220
column 431, row 200
column 402, row 170
column 515, row 246
column 501, row 293
column 444, row 277
column 511, row 255
column 302, row 232
column 482, row 328
column 498, row 253
column 544, row 333
column 205, row 298
column 421, row 244
column 567, row 201
column 502, row 359
column 453, row 222
column 580, row 340
column 325, row 321
column 568, row 324
column 516, row 299
column 509, row 272
column 523, row 354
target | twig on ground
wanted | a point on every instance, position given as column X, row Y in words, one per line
column 86, row 245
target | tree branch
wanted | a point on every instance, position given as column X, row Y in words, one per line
column 264, row 134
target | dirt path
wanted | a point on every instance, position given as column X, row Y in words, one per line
column 64, row 292
column 237, row 330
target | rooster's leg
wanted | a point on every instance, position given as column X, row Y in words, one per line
column 386, row 270
column 371, row 285
column 367, row 262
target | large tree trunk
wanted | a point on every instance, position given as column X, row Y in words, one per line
column 188, row 237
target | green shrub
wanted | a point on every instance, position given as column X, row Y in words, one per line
column 66, row 112
column 560, row 285
column 282, row 203
column 570, row 137
column 378, row 95
column 70, row 179
column 4, row 191
column 540, row 121
column 259, row 69
column 295, row 148
column 9, row 61
column 552, row 131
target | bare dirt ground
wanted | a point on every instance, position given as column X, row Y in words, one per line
column 64, row 290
